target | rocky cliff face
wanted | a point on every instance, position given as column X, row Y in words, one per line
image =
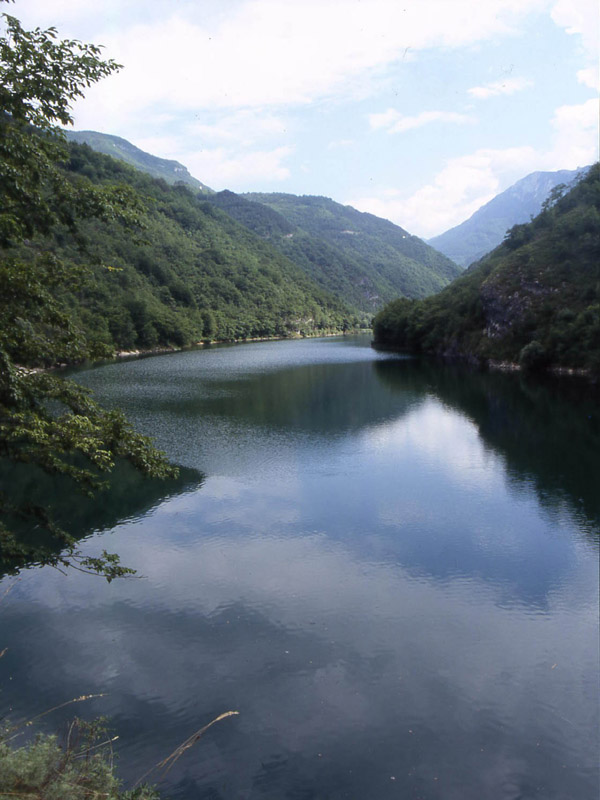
column 505, row 306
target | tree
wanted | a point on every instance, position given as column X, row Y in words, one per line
column 40, row 76
column 47, row 422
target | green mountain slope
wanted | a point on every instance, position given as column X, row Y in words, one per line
column 485, row 229
column 342, row 275
column 533, row 300
column 171, row 171
column 362, row 258
column 190, row 273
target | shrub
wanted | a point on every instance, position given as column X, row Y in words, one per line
column 533, row 357
column 80, row 770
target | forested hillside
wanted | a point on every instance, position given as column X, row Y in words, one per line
column 188, row 272
column 314, row 233
column 361, row 258
column 534, row 300
column 342, row 275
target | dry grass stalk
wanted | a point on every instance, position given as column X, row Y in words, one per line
column 9, row 588
column 169, row 761
column 29, row 722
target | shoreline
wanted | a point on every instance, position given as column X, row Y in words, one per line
column 125, row 355
column 512, row 366
column 581, row 373
column 209, row 343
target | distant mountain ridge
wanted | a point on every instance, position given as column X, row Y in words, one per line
column 485, row 229
column 170, row 171
column 364, row 260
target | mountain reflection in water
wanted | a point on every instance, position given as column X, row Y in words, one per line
column 390, row 569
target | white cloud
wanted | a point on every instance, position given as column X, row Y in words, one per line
column 223, row 169
column 246, row 60
column 395, row 122
column 589, row 77
column 242, row 127
column 462, row 186
column 339, row 144
column 508, row 86
column 582, row 18
column 167, row 145
column 384, row 119
column 265, row 52
column 468, row 182
column 576, row 142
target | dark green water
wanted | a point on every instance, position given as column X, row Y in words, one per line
column 389, row 569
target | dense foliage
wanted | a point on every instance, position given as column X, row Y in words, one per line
column 313, row 233
column 360, row 258
column 78, row 769
column 534, row 300
column 335, row 272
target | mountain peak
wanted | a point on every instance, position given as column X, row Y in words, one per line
column 169, row 170
column 485, row 229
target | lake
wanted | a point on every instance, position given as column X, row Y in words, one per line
column 389, row 568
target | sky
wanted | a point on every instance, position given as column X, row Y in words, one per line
column 419, row 111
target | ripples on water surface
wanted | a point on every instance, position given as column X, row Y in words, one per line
column 389, row 569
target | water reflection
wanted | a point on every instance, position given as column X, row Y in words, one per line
column 242, row 406
column 548, row 432
column 379, row 592
column 127, row 495
column 346, row 672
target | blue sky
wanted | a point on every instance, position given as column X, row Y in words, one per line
column 419, row 111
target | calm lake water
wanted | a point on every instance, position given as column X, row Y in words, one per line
column 389, row 568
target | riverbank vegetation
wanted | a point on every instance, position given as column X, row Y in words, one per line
column 96, row 257
column 534, row 301
column 80, row 768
